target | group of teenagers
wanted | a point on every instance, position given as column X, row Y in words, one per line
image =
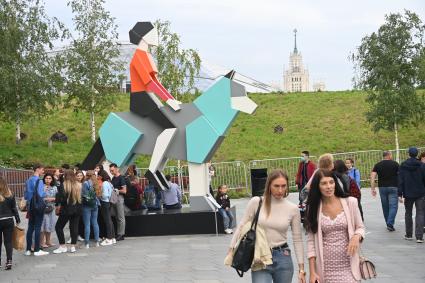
column 65, row 196
column 53, row 199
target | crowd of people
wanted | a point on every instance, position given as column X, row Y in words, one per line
column 95, row 198
column 333, row 217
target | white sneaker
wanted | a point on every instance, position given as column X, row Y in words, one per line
column 69, row 241
column 97, row 244
column 80, row 239
column 106, row 243
column 41, row 253
column 72, row 250
column 60, row 250
column 87, row 246
column 27, row 253
column 114, row 241
column 228, row 231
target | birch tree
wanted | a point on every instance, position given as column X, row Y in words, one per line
column 387, row 64
column 30, row 74
column 94, row 71
column 177, row 67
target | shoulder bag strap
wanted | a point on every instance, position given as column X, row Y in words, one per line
column 36, row 189
column 255, row 221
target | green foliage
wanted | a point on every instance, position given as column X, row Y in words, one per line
column 319, row 122
column 30, row 77
column 93, row 71
column 387, row 64
column 421, row 76
column 177, row 67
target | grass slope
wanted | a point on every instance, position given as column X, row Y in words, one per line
column 319, row 122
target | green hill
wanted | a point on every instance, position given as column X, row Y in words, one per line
column 320, row 122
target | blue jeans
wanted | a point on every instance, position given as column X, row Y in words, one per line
column 34, row 226
column 389, row 201
column 90, row 218
column 282, row 269
column 227, row 217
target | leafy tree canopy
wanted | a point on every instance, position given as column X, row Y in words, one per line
column 177, row 67
column 30, row 77
column 94, row 71
column 387, row 64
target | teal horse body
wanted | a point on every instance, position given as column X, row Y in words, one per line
column 201, row 126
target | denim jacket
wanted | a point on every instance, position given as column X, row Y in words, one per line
column 106, row 191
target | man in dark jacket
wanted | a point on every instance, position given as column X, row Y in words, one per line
column 412, row 188
column 305, row 170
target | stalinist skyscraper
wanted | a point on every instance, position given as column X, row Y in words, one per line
column 296, row 78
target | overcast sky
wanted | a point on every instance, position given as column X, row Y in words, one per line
column 255, row 37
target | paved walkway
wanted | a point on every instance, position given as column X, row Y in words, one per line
column 199, row 258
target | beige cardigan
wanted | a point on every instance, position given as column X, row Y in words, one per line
column 262, row 252
column 355, row 226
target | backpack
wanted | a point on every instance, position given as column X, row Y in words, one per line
column 90, row 198
column 354, row 189
column 37, row 204
column 130, row 198
column 152, row 198
column 114, row 197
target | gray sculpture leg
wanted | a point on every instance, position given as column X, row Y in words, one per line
column 158, row 160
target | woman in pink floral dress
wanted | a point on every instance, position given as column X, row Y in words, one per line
column 335, row 231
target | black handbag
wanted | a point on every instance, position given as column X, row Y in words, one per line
column 48, row 209
column 244, row 254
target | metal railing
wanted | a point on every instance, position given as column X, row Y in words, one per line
column 16, row 178
column 234, row 174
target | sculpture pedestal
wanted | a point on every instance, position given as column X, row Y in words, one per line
column 174, row 222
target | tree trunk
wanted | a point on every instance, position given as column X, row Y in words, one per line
column 18, row 130
column 92, row 122
column 18, row 109
column 397, row 145
column 93, row 127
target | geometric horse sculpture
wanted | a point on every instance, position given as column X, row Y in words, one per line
column 198, row 130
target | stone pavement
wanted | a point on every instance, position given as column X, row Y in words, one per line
column 199, row 258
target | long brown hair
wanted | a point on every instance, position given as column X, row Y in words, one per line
column 72, row 187
column 90, row 175
column 275, row 174
column 315, row 197
column 4, row 190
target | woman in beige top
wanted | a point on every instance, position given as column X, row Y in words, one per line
column 276, row 215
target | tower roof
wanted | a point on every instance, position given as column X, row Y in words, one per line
column 295, row 37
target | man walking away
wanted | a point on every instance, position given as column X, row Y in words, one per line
column 118, row 181
column 306, row 169
column 387, row 171
column 411, row 187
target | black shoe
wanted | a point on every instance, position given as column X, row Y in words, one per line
column 120, row 238
column 8, row 265
column 390, row 228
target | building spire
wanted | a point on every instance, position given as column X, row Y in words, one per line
column 295, row 36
